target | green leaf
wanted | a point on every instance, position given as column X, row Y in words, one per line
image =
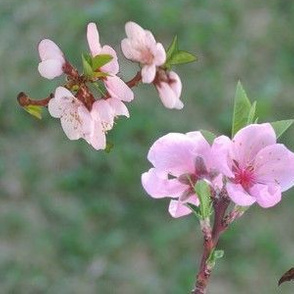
column 218, row 254
column 242, row 107
column 195, row 209
column 209, row 136
column 173, row 48
column 34, row 110
column 100, row 74
column 100, row 60
column 181, row 57
column 202, row 190
column 109, row 146
column 87, row 66
column 281, row 126
column 251, row 114
column 214, row 255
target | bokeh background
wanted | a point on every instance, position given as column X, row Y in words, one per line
column 74, row 220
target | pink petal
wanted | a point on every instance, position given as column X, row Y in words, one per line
column 62, row 100
column 266, row 195
column 129, row 51
column 134, row 31
column 93, row 39
column 118, row 89
column 118, row 107
column 250, row 140
column 71, row 124
column 179, row 105
column 167, row 95
column 63, row 94
column 49, row 50
column 178, row 209
column 175, row 153
column 50, row 68
column 148, row 73
column 112, row 67
column 203, row 148
column 238, row 195
column 54, row 108
column 157, row 185
column 101, row 111
column 176, row 85
column 98, row 138
column 220, row 150
column 149, row 38
column 87, row 123
column 275, row 164
column 159, row 55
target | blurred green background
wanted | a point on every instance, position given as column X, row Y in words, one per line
column 74, row 220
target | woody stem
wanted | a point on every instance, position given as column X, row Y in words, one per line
column 210, row 243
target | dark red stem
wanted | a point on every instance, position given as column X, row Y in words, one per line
column 210, row 242
column 83, row 93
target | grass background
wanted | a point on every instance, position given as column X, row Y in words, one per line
column 73, row 220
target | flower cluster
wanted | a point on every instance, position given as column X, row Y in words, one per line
column 251, row 167
column 81, row 112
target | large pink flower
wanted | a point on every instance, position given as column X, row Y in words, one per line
column 258, row 169
column 52, row 59
column 116, row 87
column 169, row 90
column 140, row 46
column 179, row 160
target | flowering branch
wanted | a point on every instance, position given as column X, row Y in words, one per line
column 82, row 114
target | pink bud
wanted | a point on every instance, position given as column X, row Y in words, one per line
column 52, row 59
column 169, row 90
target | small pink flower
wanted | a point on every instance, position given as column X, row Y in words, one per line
column 96, row 49
column 258, row 169
column 76, row 120
column 117, row 88
column 169, row 89
column 68, row 108
column 140, row 46
column 52, row 59
column 179, row 160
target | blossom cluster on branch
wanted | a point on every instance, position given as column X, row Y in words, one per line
column 90, row 115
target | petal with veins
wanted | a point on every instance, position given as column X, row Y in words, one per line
column 93, row 39
column 117, row 88
column 266, row 195
column 148, row 73
column 239, row 195
column 50, row 68
column 158, row 185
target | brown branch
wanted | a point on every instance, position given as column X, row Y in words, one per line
column 220, row 206
column 135, row 80
column 24, row 100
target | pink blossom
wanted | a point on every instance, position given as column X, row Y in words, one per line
column 140, row 46
column 258, row 169
column 67, row 107
column 96, row 49
column 169, row 90
column 116, row 87
column 52, row 59
column 179, row 160
column 76, row 120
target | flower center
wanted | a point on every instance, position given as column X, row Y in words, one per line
column 244, row 176
column 146, row 56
